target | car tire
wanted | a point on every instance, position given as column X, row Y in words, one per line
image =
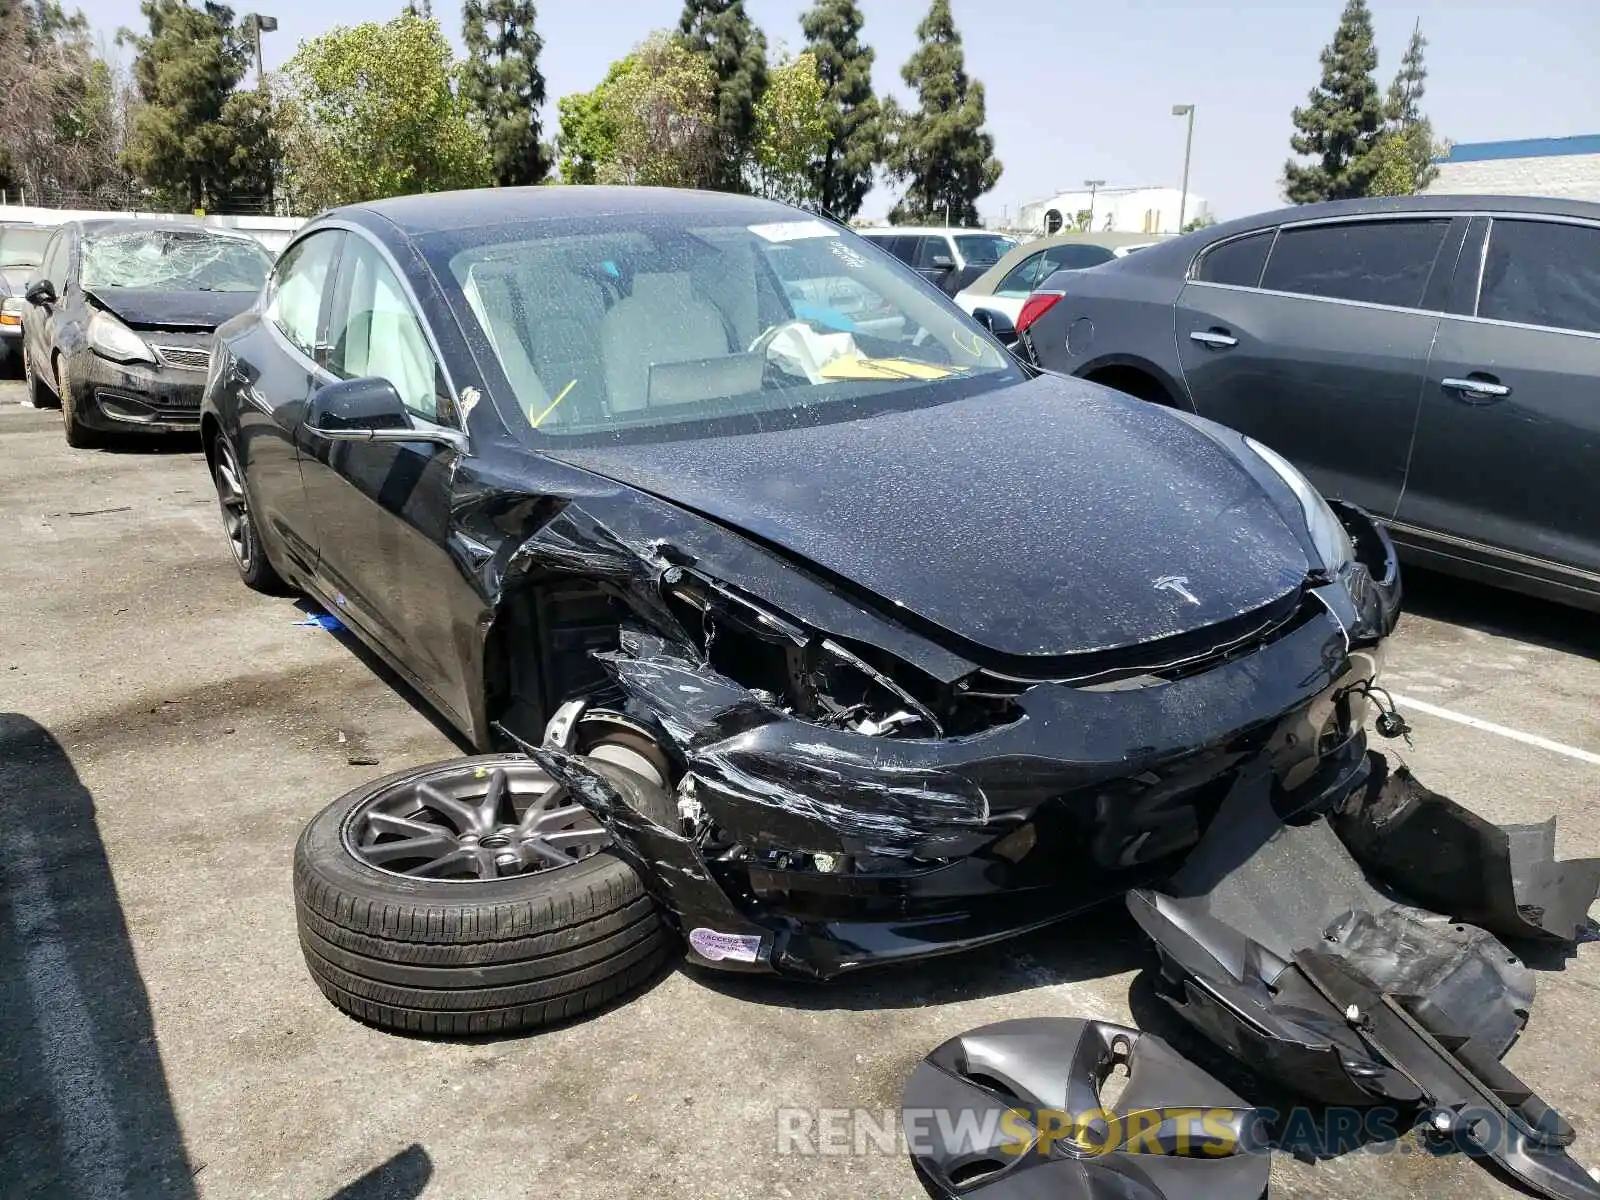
column 79, row 435
column 239, row 522
column 468, row 957
column 38, row 395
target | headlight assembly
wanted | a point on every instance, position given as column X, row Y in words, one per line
column 1327, row 533
column 110, row 338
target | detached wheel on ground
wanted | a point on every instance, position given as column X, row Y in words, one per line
column 471, row 897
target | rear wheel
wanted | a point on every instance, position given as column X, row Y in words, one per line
column 471, row 897
column 239, row 523
column 79, row 435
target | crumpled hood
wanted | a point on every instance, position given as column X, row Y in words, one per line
column 1038, row 520
column 138, row 308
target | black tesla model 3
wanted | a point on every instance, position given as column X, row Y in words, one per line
column 851, row 637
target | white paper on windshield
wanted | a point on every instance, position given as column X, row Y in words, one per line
column 793, row 231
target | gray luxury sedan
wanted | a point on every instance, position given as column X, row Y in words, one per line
column 1434, row 359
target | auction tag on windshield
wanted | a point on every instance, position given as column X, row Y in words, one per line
column 793, row 231
column 736, row 947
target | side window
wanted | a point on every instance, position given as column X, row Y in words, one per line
column 1238, row 262
column 1378, row 262
column 1073, row 257
column 298, row 285
column 930, row 248
column 1020, row 279
column 373, row 331
column 1542, row 273
column 903, row 248
column 54, row 264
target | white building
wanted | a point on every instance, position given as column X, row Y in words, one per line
column 1566, row 166
column 1116, row 210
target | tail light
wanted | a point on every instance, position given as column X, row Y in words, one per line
column 1035, row 307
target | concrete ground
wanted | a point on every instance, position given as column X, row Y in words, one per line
column 167, row 733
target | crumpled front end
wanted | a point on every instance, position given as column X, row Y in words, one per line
column 841, row 804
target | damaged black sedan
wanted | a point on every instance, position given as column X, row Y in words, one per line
column 122, row 313
column 822, row 633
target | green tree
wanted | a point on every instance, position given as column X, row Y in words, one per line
column 791, row 131
column 660, row 114
column 1406, row 151
column 722, row 35
column 587, row 137
column 372, row 111
column 941, row 151
column 502, row 82
column 1342, row 121
column 842, row 172
column 180, row 144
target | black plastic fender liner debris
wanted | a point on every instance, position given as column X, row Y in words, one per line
column 1275, row 945
column 1013, row 1111
column 1503, row 878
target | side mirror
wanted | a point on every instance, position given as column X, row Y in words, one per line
column 357, row 405
column 942, row 262
column 997, row 323
column 370, row 410
column 41, row 293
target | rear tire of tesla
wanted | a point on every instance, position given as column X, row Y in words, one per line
column 471, row 897
column 239, row 523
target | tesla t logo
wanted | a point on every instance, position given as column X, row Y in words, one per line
column 1178, row 585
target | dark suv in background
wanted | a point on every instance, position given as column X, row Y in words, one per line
column 1435, row 359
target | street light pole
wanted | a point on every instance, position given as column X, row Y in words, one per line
column 1094, row 185
column 255, row 25
column 1185, row 110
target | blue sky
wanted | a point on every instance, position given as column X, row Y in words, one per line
column 1082, row 90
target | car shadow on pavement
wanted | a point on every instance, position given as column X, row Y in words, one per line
column 1501, row 613
column 1097, row 944
column 83, row 1096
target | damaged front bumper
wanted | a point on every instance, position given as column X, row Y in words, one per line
column 811, row 851
column 158, row 397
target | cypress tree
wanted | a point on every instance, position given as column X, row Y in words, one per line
column 1342, row 121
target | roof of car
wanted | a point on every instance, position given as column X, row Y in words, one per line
column 985, row 284
column 934, row 229
column 152, row 225
column 437, row 211
column 1160, row 260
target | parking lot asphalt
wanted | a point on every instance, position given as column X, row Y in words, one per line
column 165, row 733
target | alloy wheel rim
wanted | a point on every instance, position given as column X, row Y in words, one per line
column 235, row 506
column 467, row 823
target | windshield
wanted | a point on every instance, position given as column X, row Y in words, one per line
column 615, row 325
column 22, row 247
column 984, row 249
column 162, row 260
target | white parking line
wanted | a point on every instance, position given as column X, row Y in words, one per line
column 1516, row 735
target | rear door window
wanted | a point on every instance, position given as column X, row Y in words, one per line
column 1375, row 262
column 299, row 284
column 1542, row 273
column 1237, row 262
column 1020, row 280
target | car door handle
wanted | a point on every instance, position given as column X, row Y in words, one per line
column 1477, row 388
column 1214, row 339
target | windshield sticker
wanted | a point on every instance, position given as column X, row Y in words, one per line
column 858, row 368
column 735, row 947
column 793, row 231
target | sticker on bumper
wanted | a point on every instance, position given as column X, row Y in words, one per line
column 734, row 947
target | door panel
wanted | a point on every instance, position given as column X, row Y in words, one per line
column 1324, row 362
column 1508, row 437
column 273, row 377
column 1332, row 387
column 382, row 510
